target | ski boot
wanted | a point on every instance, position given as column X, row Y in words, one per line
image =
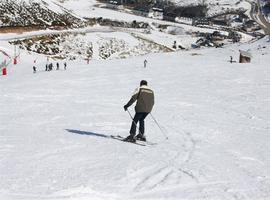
column 130, row 138
column 140, row 137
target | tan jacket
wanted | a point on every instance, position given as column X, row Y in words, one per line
column 145, row 99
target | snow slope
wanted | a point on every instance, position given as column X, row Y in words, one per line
column 87, row 8
column 55, row 125
column 37, row 13
column 71, row 12
column 216, row 6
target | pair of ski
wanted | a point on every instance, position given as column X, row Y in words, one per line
column 137, row 142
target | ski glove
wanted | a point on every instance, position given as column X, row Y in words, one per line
column 125, row 107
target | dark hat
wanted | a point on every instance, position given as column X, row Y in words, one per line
column 143, row 82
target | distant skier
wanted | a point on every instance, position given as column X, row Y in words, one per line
column 145, row 102
column 65, row 65
column 174, row 45
column 46, row 67
column 231, row 60
column 145, row 63
column 50, row 67
column 57, row 66
column 34, row 69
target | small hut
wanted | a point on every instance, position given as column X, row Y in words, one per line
column 156, row 13
column 245, row 57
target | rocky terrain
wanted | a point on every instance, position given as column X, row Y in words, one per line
column 14, row 13
column 81, row 46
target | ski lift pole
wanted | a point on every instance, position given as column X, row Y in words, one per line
column 165, row 135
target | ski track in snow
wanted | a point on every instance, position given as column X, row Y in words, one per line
column 172, row 167
column 55, row 128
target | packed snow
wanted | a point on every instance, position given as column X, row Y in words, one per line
column 55, row 128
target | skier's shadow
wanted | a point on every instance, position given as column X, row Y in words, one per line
column 88, row 133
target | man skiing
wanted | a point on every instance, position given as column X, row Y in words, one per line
column 145, row 102
column 34, row 69
column 145, row 63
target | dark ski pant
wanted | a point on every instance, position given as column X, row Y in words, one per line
column 139, row 117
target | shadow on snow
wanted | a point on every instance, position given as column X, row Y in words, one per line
column 113, row 137
column 88, row 133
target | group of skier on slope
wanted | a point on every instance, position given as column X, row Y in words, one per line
column 49, row 67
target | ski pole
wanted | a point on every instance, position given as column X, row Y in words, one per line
column 130, row 115
column 165, row 135
column 134, row 121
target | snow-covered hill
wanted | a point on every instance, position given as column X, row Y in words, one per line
column 55, row 128
column 151, row 35
column 37, row 13
column 98, row 45
column 216, row 6
column 65, row 13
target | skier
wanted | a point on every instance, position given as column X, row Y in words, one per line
column 145, row 102
column 65, row 65
column 50, row 67
column 145, row 62
column 47, row 67
column 174, row 45
column 57, row 66
column 34, row 69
